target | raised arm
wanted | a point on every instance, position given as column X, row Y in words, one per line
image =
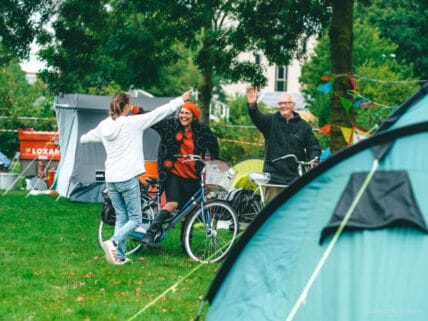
column 149, row 119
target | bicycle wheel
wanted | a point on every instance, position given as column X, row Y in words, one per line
column 210, row 233
column 246, row 205
column 247, row 211
column 106, row 231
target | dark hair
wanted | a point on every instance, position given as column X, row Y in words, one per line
column 117, row 104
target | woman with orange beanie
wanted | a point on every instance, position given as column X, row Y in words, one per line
column 184, row 134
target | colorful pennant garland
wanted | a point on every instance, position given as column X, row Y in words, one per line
column 356, row 133
column 351, row 135
column 358, row 99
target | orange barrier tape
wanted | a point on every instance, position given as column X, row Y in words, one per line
column 239, row 142
column 8, row 131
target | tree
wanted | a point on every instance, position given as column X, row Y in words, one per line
column 94, row 44
column 222, row 30
column 128, row 35
column 135, row 43
column 21, row 106
column 20, row 20
column 341, row 40
column 315, row 14
column 406, row 26
column 131, row 42
column 380, row 78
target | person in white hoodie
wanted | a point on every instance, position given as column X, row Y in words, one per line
column 124, row 163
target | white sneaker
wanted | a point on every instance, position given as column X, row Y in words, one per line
column 110, row 251
column 140, row 229
column 122, row 262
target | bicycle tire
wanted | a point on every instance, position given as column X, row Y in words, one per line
column 106, row 231
column 211, row 242
column 247, row 211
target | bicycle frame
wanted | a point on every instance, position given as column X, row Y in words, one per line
column 195, row 202
column 262, row 179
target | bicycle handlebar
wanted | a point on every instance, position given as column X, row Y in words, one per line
column 316, row 159
column 190, row 158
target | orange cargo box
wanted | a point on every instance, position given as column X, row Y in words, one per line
column 38, row 144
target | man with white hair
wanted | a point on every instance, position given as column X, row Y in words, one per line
column 285, row 133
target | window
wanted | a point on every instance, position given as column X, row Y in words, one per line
column 257, row 59
column 281, row 78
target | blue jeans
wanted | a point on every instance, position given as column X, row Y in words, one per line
column 126, row 199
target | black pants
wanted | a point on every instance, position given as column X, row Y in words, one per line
column 179, row 189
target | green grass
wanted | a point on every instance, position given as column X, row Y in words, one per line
column 51, row 268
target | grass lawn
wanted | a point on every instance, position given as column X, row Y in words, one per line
column 51, row 268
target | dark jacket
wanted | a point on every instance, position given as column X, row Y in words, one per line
column 171, row 131
column 284, row 137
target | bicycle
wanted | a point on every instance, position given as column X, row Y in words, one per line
column 246, row 205
column 262, row 179
column 210, row 226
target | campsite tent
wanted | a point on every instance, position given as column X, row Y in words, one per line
column 77, row 114
column 243, row 168
column 294, row 263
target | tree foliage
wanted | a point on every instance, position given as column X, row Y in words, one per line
column 96, row 43
column 406, row 26
column 21, row 106
column 380, row 78
column 19, row 22
column 131, row 43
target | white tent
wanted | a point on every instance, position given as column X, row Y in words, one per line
column 76, row 114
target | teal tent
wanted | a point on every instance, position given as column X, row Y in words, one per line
column 299, row 260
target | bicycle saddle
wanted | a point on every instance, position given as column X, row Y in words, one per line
column 259, row 177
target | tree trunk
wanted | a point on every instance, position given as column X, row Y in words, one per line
column 205, row 95
column 341, row 38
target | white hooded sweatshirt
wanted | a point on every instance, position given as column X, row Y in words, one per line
column 123, row 141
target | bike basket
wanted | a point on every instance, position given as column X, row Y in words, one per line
column 219, row 175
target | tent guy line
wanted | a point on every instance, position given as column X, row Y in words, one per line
column 173, row 287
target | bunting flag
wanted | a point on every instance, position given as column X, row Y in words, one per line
column 368, row 104
column 360, row 129
column 358, row 103
column 359, row 134
column 325, row 129
column 346, row 103
column 347, row 134
column 325, row 153
column 326, row 88
column 326, row 78
column 353, row 83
